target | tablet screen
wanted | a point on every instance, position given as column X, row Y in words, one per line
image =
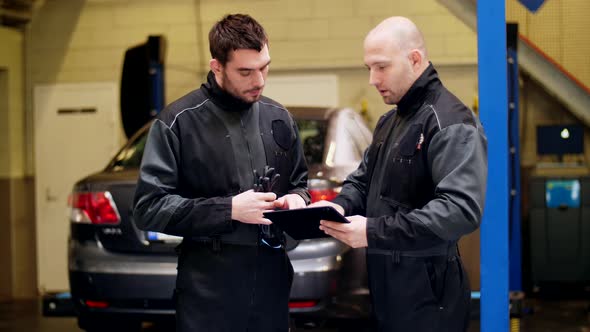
column 304, row 223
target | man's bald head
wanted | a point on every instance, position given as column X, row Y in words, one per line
column 402, row 33
column 395, row 56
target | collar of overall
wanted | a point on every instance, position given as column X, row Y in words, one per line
column 419, row 91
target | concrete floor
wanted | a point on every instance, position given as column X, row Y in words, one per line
column 542, row 316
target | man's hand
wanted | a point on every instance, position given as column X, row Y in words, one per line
column 248, row 206
column 353, row 234
column 289, row 202
column 338, row 208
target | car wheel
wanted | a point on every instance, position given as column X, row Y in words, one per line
column 96, row 324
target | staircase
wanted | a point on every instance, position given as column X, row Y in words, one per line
column 552, row 76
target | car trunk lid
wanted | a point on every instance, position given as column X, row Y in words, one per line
column 114, row 190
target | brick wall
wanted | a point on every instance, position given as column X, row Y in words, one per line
column 82, row 41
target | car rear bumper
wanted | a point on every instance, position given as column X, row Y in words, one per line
column 130, row 284
column 125, row 294
column 143, row 285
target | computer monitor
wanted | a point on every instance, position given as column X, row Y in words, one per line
column 560, row 139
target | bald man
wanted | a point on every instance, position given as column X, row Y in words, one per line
column 419, row 188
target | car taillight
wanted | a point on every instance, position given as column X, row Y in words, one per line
column 97, row 304
column 302, row 304
column 321, row 189
column 322, row 194
column 93, row 208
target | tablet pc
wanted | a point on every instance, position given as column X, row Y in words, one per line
column 304, row 223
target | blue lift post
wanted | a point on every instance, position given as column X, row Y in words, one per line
column 156, row 53
column 513, row 141
column 157, row 85
column 515, row 244
column 493, row 96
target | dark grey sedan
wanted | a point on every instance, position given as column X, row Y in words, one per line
column 120, row 276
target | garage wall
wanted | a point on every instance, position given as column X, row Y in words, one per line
column 538, row 107
column 560, row 28
column 11, row 126
column 17, row 232
column 354, row 86
column 84, row 41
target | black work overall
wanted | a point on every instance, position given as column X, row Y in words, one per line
column 418, row 294
column 229, row 288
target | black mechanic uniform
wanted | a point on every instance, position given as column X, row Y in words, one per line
column 421, row 185
column 202, row 150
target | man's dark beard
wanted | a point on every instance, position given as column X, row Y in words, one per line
column 224, row 81
column 231, row 93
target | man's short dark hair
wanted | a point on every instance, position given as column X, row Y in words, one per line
column 234, row 32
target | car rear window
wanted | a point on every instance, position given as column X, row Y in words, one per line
column 313, row 136
column 312, row 133
column 130, row 155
